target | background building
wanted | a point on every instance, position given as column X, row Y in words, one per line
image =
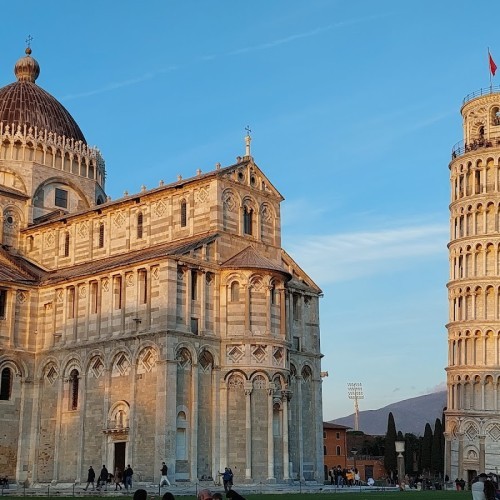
column 166, row 325
column 472, row 430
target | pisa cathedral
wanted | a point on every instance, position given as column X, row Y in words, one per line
column 472, row 430
column 168, row 325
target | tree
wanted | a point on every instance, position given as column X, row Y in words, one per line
column 390, row 460
column 437, row 461
column 426, row 451
column 412, row 453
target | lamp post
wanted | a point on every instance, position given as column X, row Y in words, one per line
column 400, row 448
column 354, row 452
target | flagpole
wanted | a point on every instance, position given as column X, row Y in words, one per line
column 489, row 71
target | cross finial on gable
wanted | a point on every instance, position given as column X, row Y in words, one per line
column 248, row 139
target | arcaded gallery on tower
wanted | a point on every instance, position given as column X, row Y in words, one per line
column 472, row 430
column 167, row 325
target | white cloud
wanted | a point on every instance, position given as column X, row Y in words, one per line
column 348, row 256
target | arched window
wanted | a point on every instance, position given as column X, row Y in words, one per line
column 6, row 384
column 66, row 245
column 339, row 450
column 183, row 213
column 247, row 220
column 181, row 437
column 73, row 389
column 235, row 291
column 139, row 225
column 101, row 235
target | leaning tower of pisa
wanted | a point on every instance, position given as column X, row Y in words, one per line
column 472, row 429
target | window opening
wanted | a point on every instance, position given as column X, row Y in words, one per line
column 66, row 245
column 6, row 384
column 3, row 304
column 73, row 381
column 61, row 198
column 247, row 220
column 101, row 235
column 139, row 225
column 183, row 213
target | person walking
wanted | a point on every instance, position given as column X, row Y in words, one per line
column 127, row 477
column 90, row 478
column 164, row 471
column 118, row 478
column 103, row 479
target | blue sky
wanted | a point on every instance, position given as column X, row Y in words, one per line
column 354, row 107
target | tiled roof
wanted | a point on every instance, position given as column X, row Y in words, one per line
column 331, row 425
column 25, row 103
column 13, row 191
column 119, row 261
column 14, row 269
column 249, row 258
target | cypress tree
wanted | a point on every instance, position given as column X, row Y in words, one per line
column 436, row 452
column 426, row 451
column 390, row 460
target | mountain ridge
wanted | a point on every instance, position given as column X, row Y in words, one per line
column 410, row 415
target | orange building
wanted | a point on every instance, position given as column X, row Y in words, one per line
column 334, row 446
column 338, row 444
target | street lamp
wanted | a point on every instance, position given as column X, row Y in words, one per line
column 354, row 452
column 400, row 448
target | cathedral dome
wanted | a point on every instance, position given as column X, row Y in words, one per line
column 25, row 103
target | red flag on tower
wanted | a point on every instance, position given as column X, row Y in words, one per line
column 493, row 66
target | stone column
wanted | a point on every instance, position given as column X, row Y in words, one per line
column 282, row 313
column 106, row 403
column 285, row 397
column 447, row 454
column 299, row 426
column 248, row 429
column 203, row 300
column 187, row 304
column 269, row 306
column 482, row 453
column 82, row 400
column 223, row 418
column 247, row 308
column 460, row 436
column 270, row 433
column 57, row 433
column 216, row 424
column 194, row 420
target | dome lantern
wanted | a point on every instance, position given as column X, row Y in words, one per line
column 27, row 68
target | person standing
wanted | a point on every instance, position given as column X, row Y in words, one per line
column 127, row 477
column 164, row 472
column 90, row 478
column 477, row 487
column 227, row 479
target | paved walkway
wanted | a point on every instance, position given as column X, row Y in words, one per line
column 181, row 488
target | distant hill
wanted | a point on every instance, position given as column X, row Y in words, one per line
column 410, row 415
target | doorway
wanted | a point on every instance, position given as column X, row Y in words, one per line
column 471, row 474
column 120, row 456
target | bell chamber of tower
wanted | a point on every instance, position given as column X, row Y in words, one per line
column 472, row 428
